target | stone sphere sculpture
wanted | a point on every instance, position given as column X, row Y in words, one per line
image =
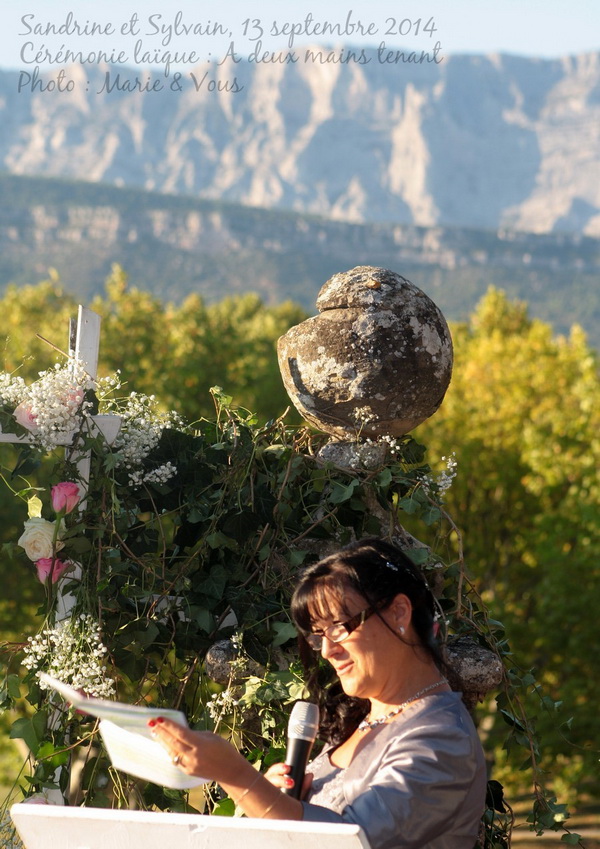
column 376, row 361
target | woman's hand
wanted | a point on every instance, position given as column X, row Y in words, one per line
column 278, row 775
column 209, row 756
column 199, row 753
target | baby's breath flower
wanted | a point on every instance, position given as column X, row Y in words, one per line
column 446, row 477
column 159, row 475
column 12, row 390
column 73, row 653
column 442, row 483
column 364, row 415
column 54, row 406
column 392, row 444
column 142, row 426
column 371, row 452
column 221, row 703
column 107, row 386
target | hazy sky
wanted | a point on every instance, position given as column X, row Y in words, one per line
column 544, row 28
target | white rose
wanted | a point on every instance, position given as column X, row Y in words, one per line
column 37, row 539
column 36, row 799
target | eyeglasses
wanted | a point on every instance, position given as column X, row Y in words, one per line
column 338, row 632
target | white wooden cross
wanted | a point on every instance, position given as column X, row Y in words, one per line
column 85, row 347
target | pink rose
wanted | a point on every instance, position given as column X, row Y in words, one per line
column 25, row 417
column 65, row 497
column 47, row 566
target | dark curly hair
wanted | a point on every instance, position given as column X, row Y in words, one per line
column 378, row 571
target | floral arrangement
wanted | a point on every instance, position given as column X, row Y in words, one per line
column 42, row 540
column 50, row 409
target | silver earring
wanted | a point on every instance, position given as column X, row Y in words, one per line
column 401, row 630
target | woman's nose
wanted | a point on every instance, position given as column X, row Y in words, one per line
column 328, row 647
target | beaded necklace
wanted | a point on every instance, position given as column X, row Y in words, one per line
column 373, row 723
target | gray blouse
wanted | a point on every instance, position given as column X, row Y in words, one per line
column 418, row 783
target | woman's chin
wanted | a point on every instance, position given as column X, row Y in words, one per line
column 352, row 688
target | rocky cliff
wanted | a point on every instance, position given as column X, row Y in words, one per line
column 474, row 141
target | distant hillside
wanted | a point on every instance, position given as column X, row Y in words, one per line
column 173, row 245
column 474, row 141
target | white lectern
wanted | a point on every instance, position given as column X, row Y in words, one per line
column 45, row 826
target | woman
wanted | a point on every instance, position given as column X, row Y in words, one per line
column 403, row 759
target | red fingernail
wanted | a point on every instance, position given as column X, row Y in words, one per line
column 289, row 782
column 151, row 723
column 160, row 719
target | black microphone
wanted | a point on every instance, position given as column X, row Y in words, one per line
column 302, row 730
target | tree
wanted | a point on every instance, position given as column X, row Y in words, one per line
column 31, row 310
column 523, row 416
column 177, row 352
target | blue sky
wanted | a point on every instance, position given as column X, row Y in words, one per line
column 541, row 28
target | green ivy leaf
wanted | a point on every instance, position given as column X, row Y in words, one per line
column 79, row 545
column 112, row 460
column 203, row 617
column 512, row 720
column 384, row 478
column 13, row 686
column 431, row 515
column 284, row 631
column 342, row 492
column 410, row 505
column 219, row 540
column 241, row 525
column 297, row 557
column 27, row 462
column 52, row 757
column 215, row 584
column 29, row 730
column 418, row 555
column 146, row 636
column 224, row 808
column 8, row 424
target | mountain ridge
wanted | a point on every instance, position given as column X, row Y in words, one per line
column 174, row 245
